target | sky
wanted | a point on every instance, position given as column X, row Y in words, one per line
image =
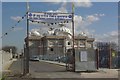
column 96, row 19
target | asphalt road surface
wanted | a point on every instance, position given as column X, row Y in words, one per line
column 36, row 66
column 43, row 70
column 47, row 71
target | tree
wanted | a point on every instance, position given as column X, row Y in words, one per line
column 7, row 49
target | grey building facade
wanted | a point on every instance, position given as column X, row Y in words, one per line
column 57, row 45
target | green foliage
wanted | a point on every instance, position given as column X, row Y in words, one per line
column 7, row 49
column 3, row 78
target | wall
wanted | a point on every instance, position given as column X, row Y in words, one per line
column 85, row 60
column 34, row 48
column 6, row 59
column 56, row 45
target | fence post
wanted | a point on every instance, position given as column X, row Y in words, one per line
column 97, row 57
column 110, row 56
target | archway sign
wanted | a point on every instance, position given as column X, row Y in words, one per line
column 50, row 18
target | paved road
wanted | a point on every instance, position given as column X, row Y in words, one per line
column 63, row 79
column 45, row 70
column 36, row 66
column 17, row 67
column 45, row 67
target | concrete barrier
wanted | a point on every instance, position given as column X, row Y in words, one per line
column 6, row 60
column 0, row 65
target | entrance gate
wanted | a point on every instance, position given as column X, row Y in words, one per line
column 104, row 55
column 49, row 19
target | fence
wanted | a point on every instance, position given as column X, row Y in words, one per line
column 107, row 56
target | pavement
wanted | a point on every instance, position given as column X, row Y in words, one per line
column 101, row 73
column 54, row 62
column 5, row 67
column 53, row 70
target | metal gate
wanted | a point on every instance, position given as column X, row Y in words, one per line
column 85, row 60
column 104, row 55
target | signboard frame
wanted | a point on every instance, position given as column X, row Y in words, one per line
column 49, row 17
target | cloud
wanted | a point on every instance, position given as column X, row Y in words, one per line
column 82, row 23
column 83, row 3
column 16, row 18
column 77, row 3
column 108, row 37
column 93, row 18
column 63, row 7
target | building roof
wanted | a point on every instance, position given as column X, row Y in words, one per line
column 62, row 30
column 60, row 37
column 35, row 38
column 55, row 37
column 81, row 37
column 90, row 39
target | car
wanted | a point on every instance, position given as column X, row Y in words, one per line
column 41, row 57
column 34, row 58
column 56, row 59
column 64, row 59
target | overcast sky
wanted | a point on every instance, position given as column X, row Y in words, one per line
column 99, row 19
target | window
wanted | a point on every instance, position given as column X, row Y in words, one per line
column 69, row 50
column 68, row 43
column 89, row 45
column 50, row 43
column 51, row 49
column 82, row 44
